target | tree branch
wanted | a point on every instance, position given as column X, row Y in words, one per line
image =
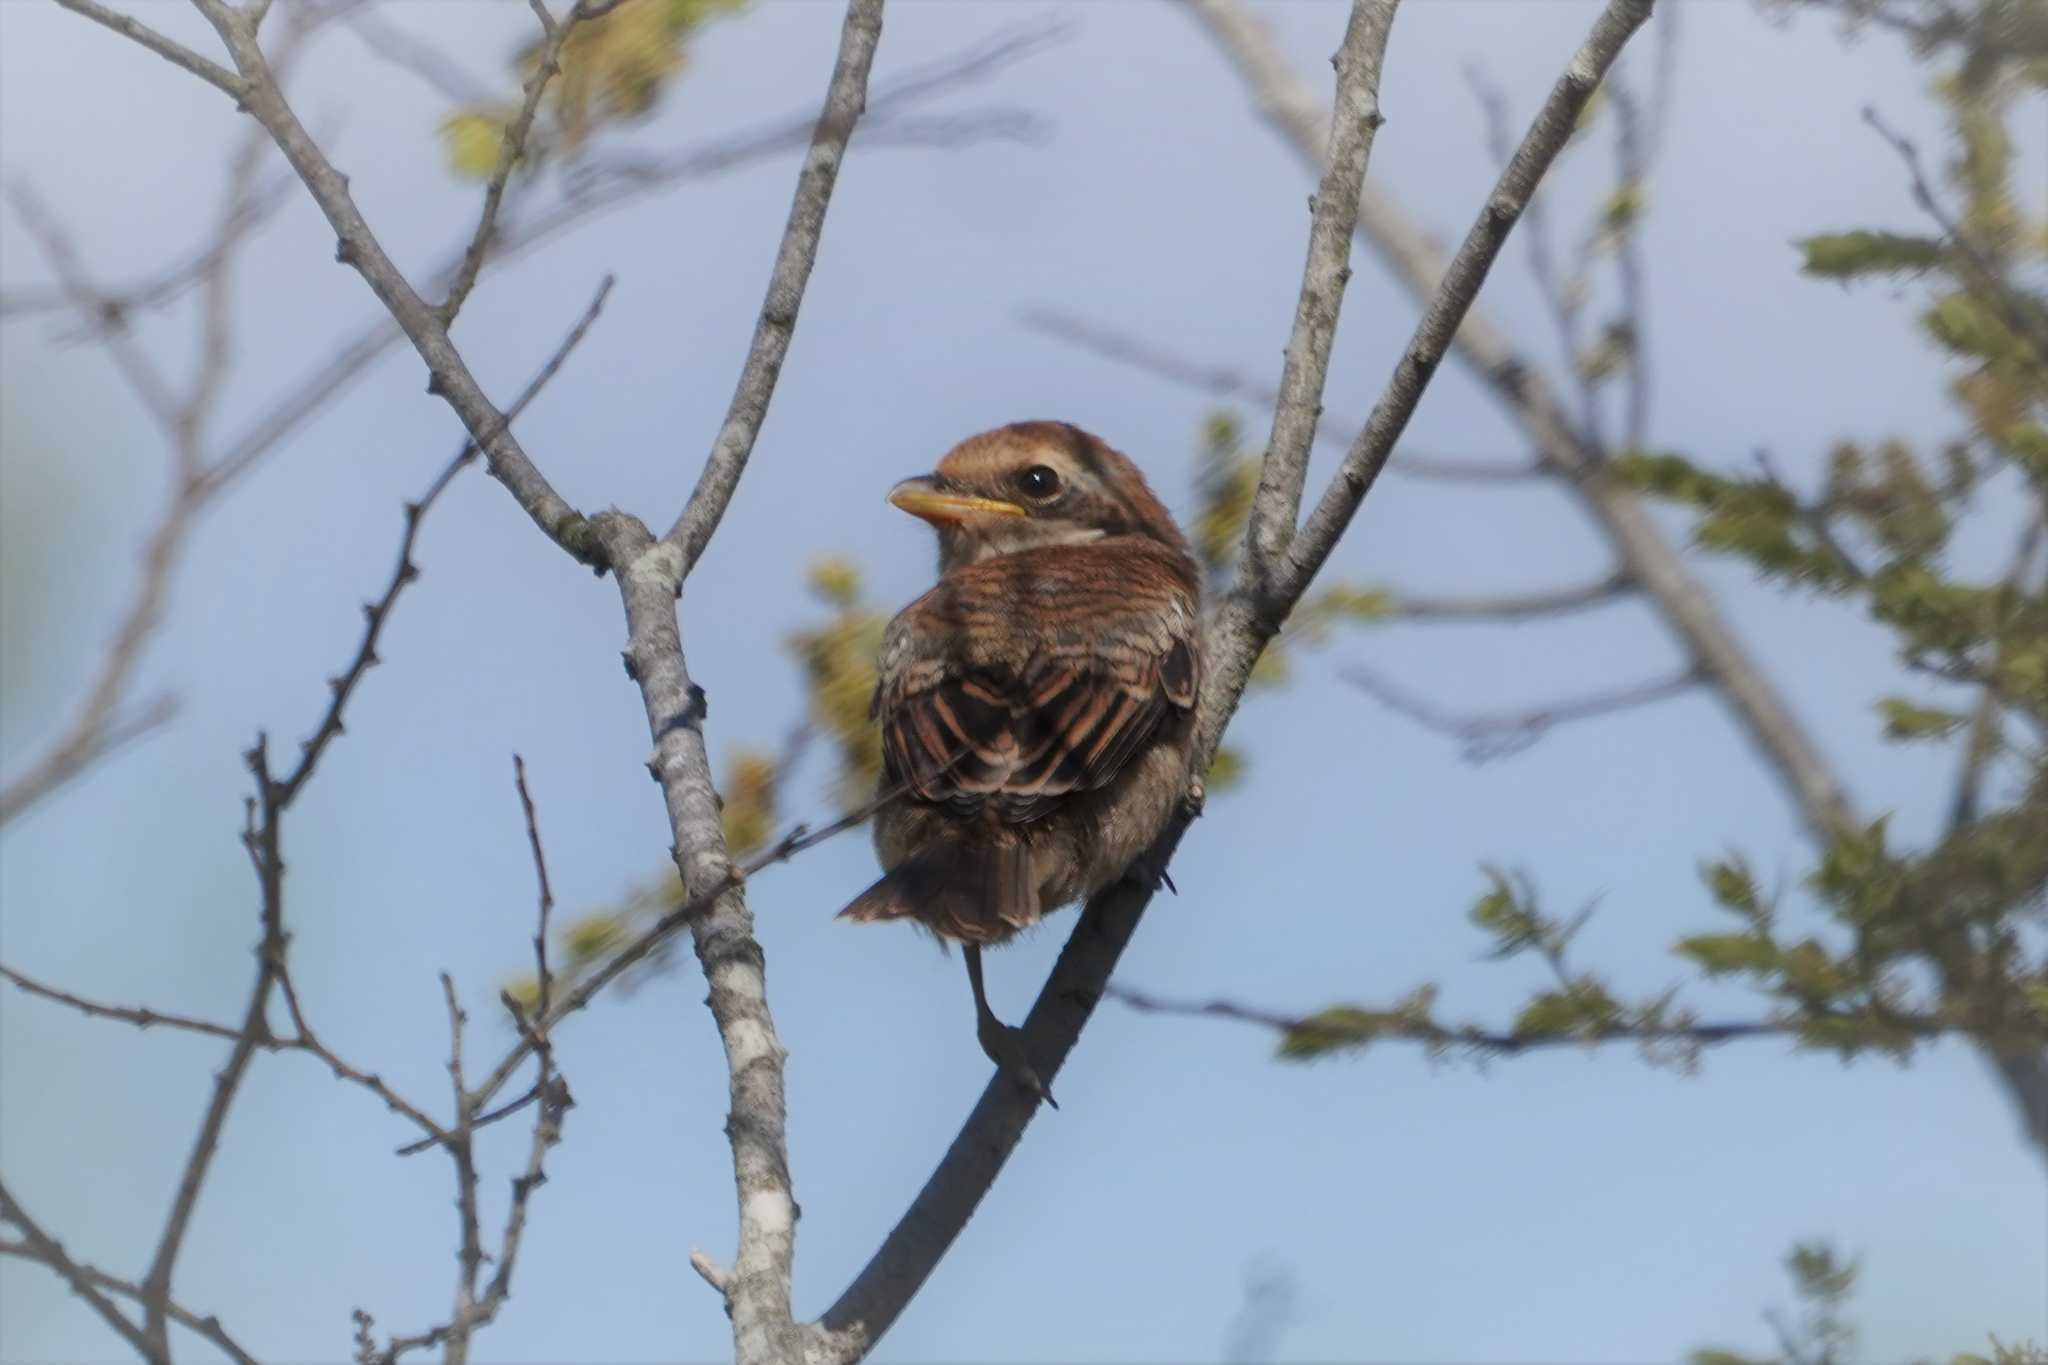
column 1513, row 607
column 845, row 100
column 1333, row 220
column 358, row 247
column 1225, row 384
column 206, row 1326
column 38, row 1245
column 177, row 54
column 625, row 186
column 1489, row 735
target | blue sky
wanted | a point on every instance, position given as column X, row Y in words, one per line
column 1563, row 1207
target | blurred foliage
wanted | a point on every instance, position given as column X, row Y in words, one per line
column 1821, row 1333
column 613, row 69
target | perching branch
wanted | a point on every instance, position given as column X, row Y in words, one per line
column 852, row 1325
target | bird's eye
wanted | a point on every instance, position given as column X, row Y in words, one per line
column 1039, row 481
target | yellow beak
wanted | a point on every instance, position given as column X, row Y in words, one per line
column 921, row 498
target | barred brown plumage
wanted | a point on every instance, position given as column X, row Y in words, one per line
column 1036, row 705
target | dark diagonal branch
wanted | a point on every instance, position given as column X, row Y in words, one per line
column 845, row 101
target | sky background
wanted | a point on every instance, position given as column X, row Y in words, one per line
column 1567, row 1206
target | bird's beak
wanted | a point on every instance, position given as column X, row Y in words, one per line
column 921, row 497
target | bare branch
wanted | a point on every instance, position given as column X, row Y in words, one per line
column 1490, row 735
column 1512, row 607
column 425, row 61
column 422, row 324
column 177, row 54
column 511, row 150
column 206, row 1326
column 139, row 1016
column 405, row 571
column 1225, row 384
column 800, row 838
column 1355, row 119
column 38, row 1245
column 845, row 99
column 2024, row 317
column 632, row 181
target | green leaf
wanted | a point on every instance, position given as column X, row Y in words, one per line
column 1905, row 720
column 1226, row 770
column 1733, row 887
column 474, row 139
column 1718, row 954
column 1851, row 255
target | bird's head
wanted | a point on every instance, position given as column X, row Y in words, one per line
column 1031, row 485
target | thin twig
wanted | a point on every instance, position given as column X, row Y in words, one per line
column 177, row 54
column 845, row 100
column 1391, row 1027
column 351, row 360
column 141, row 1017
column 1511, row 606
column 1229, row 385
column 206, row 1325
column 375, row 614
column 430, row 64
column 511, row 150
column 1490, row 735
column 38, row 1245
column 1354, row 121
column 2024, row 317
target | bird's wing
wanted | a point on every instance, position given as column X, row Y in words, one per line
column 1024, row 678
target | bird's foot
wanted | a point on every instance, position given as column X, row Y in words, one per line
column 1149, row 872
column 1005, row 1047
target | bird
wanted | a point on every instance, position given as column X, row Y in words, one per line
column 1037, row 705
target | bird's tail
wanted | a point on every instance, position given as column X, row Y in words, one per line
column 971, row 893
